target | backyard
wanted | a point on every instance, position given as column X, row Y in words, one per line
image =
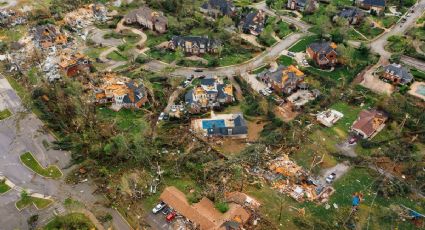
column 52, row 171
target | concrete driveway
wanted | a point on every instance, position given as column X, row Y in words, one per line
column 340, row 169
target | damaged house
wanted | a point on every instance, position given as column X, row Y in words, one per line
column 73, row 63
column 210, row 93
column 121, row 92
column 203, row 215
column 47, row 36
column 222, row 125
column 369, row 123
column 284, row 79
column 253, row 23
column 323, row 53
column 216, row 8
column 11, row 18
column 194, row 45
column 146, row 17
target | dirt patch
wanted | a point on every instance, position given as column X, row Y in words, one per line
column 286, row 112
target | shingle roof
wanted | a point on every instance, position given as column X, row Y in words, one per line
column 350, row 12
column 148, row 14
column 198, row 40
column 43, row 32
column 322, row 48
column 399, row 71
column 369, row 121
column 226, row 7
column 239, row 128
column 250, row 22
column 374, row 2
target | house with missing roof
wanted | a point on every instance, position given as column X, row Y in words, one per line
column 73, row 63
column 323, row 53
column 253, row 23
column 210, row 93
column 203, row 215
column 194, row 45
column 146, row 17
column 307, row 6
column 120, row 92
column 369, row 123
column 284, row 79
column 329, row 117
column 397, row 74
column 46, row 36
column 376, row 5
column 217, row 8
column 222, row 125
column 354, row 15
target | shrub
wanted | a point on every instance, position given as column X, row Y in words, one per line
column 222, row 207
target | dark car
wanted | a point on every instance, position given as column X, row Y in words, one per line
column 352, row 140
column 198, row 70
column 167, row 210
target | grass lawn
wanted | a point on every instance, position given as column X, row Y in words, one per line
column 155, row 39
column 282, row 29
column 301, row 45
column 116, row 56
column 285, row 60
column 39, row 203
column 52, row 171
column 350, row 115
column 126, row 120
column 419, row 75
column 368, row 31
column 95, row 52
column 5, row 114
column 3, row 187
column 70, row 221
column 386, row 21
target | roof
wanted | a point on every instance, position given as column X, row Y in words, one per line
column 399, row 71
column 242, row 199
column 351, row 12
column 239, row 127
column 226, row 7
column 194, row 40
column 323, row 48
column 204, row 212
column 374, row 2
column 369, row 121
column 45, row 32
column 148, row 14
column 254, row 21
column 121, row 86
column 284, row 74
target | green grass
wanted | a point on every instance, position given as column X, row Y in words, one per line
column 419, row 75
column 285, row 60
column 126, row 120
column 95, row 52
column 282, row 29
column 70, row 221
column 116, row 56
column 301, row 45
column 3, row 187
column 350, row 115
column 386, row 21
column 39, row 203
column 52, row 171
column 5, row 114
column 368, row 31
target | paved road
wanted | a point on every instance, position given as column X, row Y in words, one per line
column 24, row 132
column 258, row 61
column 378, row 46
column 413, row 62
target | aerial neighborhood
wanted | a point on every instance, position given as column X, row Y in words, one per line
column 212, row 114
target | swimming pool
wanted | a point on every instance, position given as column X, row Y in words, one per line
column 208, row 124
column 421, row 90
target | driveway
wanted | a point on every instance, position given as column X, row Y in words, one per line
column 340, row 169
column 157, row 222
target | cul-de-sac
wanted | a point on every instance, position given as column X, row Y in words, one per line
column 212, row 114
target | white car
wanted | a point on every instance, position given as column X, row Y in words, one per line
column 173, row 108
column 158, row 207
column 330, row 178
column 263, row 92
column 161, row 116
column 268, row 90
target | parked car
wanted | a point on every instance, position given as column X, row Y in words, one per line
column 167, row 210
column 166, row 116
column 264, row 93
column 330, row 178
column 352, row 140
column 173, row 108
column 198, row 70
column 161, row 116
column 170, row 217
column 158, row 207
column 290, row 54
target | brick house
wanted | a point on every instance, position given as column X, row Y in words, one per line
column 146, row 17
column 376, row 5
column 194, row 45
column 307, row 6
column 397, row 74
column 323, row 53
column 283, row 80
